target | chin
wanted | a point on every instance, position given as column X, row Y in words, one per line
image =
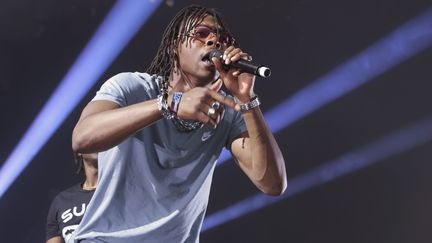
column 207, row 77
column 204, row 81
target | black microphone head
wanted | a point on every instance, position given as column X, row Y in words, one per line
column 216, row 53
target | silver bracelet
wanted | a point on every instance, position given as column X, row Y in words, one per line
column 164, row 108
column 255, row 102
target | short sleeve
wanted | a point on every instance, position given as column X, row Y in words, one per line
column 128, row 88
column 52, row 225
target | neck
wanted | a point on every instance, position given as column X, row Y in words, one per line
column 182, row 82
column 87, row 187
column 89, row 184
column 91, row 179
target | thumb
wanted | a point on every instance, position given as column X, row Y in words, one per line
column 217, row 85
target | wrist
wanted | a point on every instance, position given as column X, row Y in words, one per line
column 175, row 102
column 242, row 99
column 252, row 103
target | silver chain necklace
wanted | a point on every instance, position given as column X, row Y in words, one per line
column 180, row 124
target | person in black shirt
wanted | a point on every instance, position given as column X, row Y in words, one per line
column 69, row 206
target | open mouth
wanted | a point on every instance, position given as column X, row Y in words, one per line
column 206, row 58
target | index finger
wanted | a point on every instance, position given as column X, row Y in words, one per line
column 224, row 100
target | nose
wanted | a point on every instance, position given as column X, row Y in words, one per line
column 213, row 41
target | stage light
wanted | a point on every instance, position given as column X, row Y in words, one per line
column 403, row 43
column 123, row 21
column 397, row 142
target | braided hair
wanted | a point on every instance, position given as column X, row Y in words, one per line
column 183, row 22
column 79, row 162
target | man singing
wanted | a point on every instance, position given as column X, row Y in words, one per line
column 160, row 133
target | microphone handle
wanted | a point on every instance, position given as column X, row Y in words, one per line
column 246, row 66
column 249, row 67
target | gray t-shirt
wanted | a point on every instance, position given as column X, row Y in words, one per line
column 154, row 186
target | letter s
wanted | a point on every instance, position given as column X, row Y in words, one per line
column 66, row 215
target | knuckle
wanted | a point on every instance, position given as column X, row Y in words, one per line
column 202, row 118
column 201, row 99
column 206, row 93
column 197, row 107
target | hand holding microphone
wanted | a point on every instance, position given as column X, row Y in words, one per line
column 244, row 65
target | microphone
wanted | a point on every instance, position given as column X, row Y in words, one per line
column 246, row 66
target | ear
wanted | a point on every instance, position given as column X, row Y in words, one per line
column 217, row 85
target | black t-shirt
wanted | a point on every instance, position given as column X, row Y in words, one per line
column 66, row 211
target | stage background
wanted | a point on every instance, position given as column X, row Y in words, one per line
column 301, row 40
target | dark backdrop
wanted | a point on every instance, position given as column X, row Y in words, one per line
column 300, row 40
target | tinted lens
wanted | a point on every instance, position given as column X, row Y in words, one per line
column 202, row 31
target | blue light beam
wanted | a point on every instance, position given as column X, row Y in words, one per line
column 122, row 22
column 403, row 43
column 397, row 142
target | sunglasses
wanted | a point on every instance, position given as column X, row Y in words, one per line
column 202, row 32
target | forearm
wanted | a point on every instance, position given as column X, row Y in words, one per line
column 102, row 130
column 55, row 239
column 267, row 165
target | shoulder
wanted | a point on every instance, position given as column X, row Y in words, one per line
column 129, row 88
column 65, row 195
column 70, row 191
column 130, row 80
column 132, row 84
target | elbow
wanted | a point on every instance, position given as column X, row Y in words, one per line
column 88, row 141
column 275, row 190
column 76, row 146
column 80, row 143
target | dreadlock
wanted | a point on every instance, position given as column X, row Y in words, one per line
column 79, row 162
column 183, row 22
